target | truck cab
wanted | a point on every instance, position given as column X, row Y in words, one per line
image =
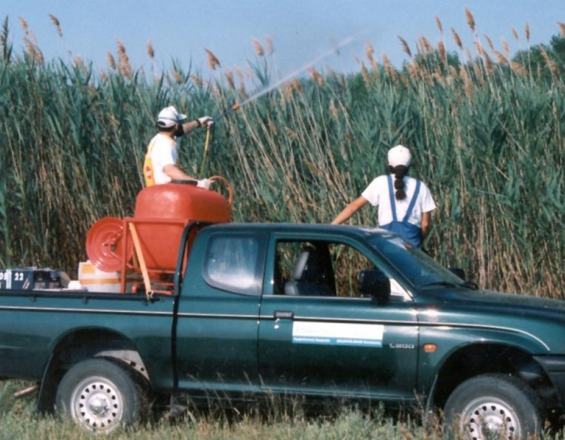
column 297, row 317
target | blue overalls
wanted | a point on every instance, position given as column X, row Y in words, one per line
column 407, row 231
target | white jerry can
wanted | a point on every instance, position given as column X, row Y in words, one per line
column 94, row 280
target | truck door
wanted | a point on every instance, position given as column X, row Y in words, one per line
column 318, row 335
column 218, row 312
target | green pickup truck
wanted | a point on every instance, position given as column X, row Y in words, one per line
column 280, row 309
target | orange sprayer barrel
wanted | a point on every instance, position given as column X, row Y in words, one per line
column 161, row 213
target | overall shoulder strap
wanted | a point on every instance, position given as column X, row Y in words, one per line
column 412, row 202
column 391, row 196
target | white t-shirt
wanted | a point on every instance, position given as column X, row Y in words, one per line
column 377, row 194
column 163, row 153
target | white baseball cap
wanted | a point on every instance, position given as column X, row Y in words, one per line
column 169, row 116
column 399, row 155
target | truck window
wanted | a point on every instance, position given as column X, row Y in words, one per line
column 318, row 268
column 232, row 264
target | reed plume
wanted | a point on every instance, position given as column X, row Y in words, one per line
column 213, row 61
column 470, row 19
column 467, row 83
column 79, row 62
column 518, row 68
column 405, row 46
column 5, row 46
column 197, row 81
column 316, row 76
column 439, row 24
column 457, row 39
column 230, row 79
column 370, row 52
column 489, row 42
column 506, row 48
column 389, row 68
column 365, row 74
column 424, row 45
column 259, row 51
column 150, row 50
column 501, row 59
column 57, row 24
column 479, row 48
column 111, row 61
column 24, row 24
column 551, row 64
column 442, row 52
column 124, row 66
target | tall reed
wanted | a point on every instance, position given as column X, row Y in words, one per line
column 487, row 137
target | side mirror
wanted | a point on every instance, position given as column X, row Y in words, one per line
column 458, row 272
column 374, row 283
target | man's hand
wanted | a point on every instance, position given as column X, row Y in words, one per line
column 204, row 183
column 206, row 121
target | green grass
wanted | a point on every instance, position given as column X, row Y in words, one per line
column 18, row 419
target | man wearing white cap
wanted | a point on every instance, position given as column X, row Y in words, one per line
column 161, row 159
column 404, row 207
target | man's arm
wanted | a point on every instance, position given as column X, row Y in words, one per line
column 349, row 210
column 176, row 173
column 203, row 121
column 190, row 125
column 426, row 223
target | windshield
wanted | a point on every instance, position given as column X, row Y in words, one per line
column 420, row 269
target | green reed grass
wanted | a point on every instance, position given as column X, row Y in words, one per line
column 488, row 138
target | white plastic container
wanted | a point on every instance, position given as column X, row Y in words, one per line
column 95, row 280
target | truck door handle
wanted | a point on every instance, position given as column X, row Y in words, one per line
column 279, row 314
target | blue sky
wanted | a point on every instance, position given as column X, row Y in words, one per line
column 300, row 30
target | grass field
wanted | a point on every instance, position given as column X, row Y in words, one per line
column 19, row 420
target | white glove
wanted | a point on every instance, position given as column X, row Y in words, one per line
column 204, row 183
column 205, row 121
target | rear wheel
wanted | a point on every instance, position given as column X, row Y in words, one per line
column 493, row 406
column 100, row 395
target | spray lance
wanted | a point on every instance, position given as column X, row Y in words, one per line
column 233, row 108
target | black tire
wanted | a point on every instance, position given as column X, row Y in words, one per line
column 493, row 406
column 100, row 395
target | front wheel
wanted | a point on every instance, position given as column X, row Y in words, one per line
column 493, row 406
column 100, row 395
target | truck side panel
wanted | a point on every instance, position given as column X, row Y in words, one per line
column 38, row 323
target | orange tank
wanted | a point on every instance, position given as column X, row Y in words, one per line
column 162, row 211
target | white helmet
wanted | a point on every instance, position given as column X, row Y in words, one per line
column 399, row 155
column 169, row 117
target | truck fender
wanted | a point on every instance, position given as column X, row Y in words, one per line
column 112, row 346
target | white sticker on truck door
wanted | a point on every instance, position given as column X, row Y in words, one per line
column 333, row 333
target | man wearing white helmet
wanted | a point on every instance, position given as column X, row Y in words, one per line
column 161, row 159
column 404, row 206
